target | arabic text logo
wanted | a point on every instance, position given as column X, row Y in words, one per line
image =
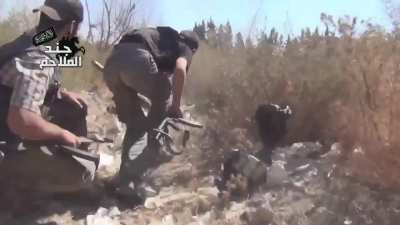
column 64, row 54
column 62, row 59
column 44, row 37
column 72, row 44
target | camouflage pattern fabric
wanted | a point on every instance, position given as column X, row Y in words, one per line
column 36, row 168
column 28, row 81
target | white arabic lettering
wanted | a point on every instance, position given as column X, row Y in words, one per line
column 62, row 61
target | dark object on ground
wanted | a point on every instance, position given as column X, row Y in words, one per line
column 111, row 189
column 241, row 163
column 271, row 121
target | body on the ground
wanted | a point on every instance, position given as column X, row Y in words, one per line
column 271, row 121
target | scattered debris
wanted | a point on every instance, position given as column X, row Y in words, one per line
column 104, row 216
column 305, row 186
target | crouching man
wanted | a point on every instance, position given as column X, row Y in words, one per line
column 144, row 62
column 26, row 93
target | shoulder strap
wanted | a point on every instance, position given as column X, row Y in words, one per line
column 169, row 31
column 15, row 47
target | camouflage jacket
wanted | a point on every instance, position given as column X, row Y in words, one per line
column 23, row 75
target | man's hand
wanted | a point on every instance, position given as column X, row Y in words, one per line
column 175, row 112
column 70, row 139
column 74, row 98
column 31, row 126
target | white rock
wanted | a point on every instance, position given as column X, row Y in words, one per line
column 114, row 211
column 169, row 220
column 104, row 216
column 303, row 167
column 106, row 160
column 347, row 221
column 277, row 174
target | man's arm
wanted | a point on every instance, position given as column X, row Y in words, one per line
column 29, row 91
column 32, row 126
column 178, row 84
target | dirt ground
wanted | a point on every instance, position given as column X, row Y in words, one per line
column 305, row 186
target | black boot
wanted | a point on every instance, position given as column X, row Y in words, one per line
column 265, row 156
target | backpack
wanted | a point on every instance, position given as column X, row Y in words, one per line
column 158, row 41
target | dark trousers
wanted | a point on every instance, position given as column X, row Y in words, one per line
column 128, row 71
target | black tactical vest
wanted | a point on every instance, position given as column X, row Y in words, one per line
column 161, row 42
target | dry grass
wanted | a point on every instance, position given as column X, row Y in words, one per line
column 341, row 88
